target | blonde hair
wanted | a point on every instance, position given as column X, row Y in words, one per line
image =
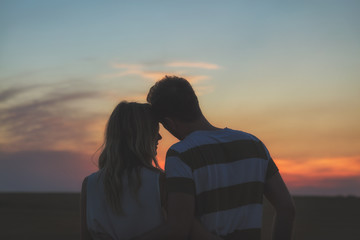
column 128, row 146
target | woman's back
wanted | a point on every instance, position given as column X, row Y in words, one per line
column 141, row 213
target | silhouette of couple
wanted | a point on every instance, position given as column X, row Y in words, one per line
column 214, row 179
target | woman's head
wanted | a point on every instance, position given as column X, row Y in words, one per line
column 131, row 137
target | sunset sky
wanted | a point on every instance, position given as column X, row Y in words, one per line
column 285, row 71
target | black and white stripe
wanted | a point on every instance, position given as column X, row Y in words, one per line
column 225, row 170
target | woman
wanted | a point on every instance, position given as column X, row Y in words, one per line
column 122, row 199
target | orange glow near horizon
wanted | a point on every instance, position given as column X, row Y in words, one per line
column 310, row 172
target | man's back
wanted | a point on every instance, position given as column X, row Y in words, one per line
column 225, row 170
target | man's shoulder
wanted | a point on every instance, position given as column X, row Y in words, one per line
column 235, row 135
column 200, row 138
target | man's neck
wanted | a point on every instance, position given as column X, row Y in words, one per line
column 201, row 124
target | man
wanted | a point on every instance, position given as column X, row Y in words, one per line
column 217, row 176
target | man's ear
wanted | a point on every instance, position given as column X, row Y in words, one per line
column 173, row 127
column 169, row 124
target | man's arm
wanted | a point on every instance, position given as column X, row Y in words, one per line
column 180, row 219
column 180, row 223
column 278, row 195
column 198, row 231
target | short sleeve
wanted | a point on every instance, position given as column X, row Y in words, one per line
column 179, row 177
column 271, row 167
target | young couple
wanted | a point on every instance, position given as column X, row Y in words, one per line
column 215, row 178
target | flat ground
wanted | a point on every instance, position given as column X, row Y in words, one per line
column 28, row 216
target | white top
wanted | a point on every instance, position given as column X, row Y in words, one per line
column 140, row 216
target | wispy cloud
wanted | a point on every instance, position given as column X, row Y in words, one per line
column 311, row 171
column 49, row 121
column 10, row 93
column 320, row 167
column 155, row 71
column 202, row 65
column 58, row 116
column 138, row 70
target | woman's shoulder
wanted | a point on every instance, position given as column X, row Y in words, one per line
column 93, row 177
column 153, row 171
column 153, row 175
column 94, row 174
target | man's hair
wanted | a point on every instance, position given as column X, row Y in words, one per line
column 174, row 97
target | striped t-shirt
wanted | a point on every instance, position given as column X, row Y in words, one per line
column 225, row 170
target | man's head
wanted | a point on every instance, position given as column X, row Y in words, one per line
column 173, row 99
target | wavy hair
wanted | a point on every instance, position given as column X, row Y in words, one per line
column 129, row 145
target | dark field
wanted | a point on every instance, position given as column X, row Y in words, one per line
column 28, row 216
